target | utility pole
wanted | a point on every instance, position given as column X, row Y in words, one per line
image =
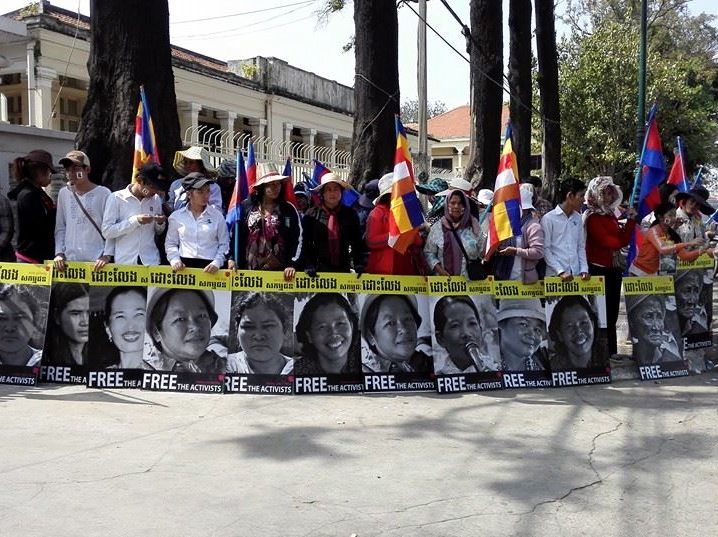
column 641, row 130
column 423, row 158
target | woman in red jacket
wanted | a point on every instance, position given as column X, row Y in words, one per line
column 605, row 235
column 383, row 259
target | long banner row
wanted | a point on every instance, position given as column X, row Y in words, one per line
column 252, row 332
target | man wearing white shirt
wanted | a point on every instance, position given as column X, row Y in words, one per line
column 80, row 208
column 564, row 237
column 197, row 235
column 133, row 216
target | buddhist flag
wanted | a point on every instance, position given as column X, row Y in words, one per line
column 406, row 214
column 145, row 144
column 505, row 216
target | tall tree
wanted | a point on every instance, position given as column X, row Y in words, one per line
column 548, row 92
column 520, row 81
column 376, row 88
column 129, row 47
column 486, row 55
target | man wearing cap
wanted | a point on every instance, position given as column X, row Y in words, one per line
column 193, row 159
column 331, row 235
column 133, row 216
column 80, row 208
column 197, row 234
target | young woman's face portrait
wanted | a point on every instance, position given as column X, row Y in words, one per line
column 521, row 336
column 260, row 333
column 331, row 332
column 394, row 333
column 461, row 327
column 186, row 327
column 126, row 321
column 576, row 331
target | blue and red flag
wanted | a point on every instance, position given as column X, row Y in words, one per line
column 406, row 214
column 145, row 143
column 251, row 167
column 653, row 167
column 678, row 170
column 319, row 171
column 289, row 184
column 505, row 217
column 239, row 194
column 349, row 196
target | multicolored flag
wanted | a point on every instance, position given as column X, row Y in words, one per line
column 349, row 196
column 239, row 194
column 653, row 167
column 251, row 167
column 289, row 187
column 319, row 171
column 406, row 213
column 678, row 170
column 145, row 143
column 505, row 216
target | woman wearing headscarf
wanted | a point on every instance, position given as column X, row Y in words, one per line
column 383, row 259
column 443, row 251
column 605, row 236
column 269, row 228
column 35, row 209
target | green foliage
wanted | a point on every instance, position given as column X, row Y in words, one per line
column 598, row 74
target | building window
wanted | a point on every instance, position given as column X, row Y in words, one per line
column 14, row 109
column 443, row 163
column 69, row 116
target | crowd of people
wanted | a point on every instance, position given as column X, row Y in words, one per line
column 182, row 223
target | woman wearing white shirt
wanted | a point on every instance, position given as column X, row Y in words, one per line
column 197, row 233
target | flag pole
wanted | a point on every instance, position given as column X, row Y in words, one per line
column 679, row 141
column 698, row 176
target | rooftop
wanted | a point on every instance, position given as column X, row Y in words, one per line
column 456, row 123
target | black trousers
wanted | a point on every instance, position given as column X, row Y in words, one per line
column 612, row 279
column 193, row 262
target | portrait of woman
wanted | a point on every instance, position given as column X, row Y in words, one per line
column 458, row 330
column 124, row 323
column 522, row 335
column 573, row 334
column 653, row 341
column 328, row 332
column 68, row 325
column 690, row 302
column 390, row 326
column 19, row 323
column 179, row 324
column 262, row 323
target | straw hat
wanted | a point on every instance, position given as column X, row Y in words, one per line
column 193, row 153
column 268, row 173
column 331, row 177
column 385, row 184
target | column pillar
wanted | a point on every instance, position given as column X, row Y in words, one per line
column 42, row 105
column 226, row 123
column 189, row 117
column 311, row 137
column 287, row 132
column 259, row 127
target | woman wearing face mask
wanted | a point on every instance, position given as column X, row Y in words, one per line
column 35, row 209
column 458, row 330
column 573, row 333
column 389, row 326
column 68, row 325
column 125, row 320
column 328, row 333
column 442, row 250
column 662, row 240
column 269, row 228
column 179, row 323
column 261, row 324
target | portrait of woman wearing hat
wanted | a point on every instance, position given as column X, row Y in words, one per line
column 522, row 335
column 179, row 325
column 389, row 325
column 331, row 236
column 653, row 341
column 383, row 259
column 269, row 227
column 197, row 234
column 192, row 159
column 35, row 209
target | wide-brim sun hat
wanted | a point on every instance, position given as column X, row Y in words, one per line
column 432, row 187
column 485, row 196
column 193, row 153
column 457, row 183
column 385, row 185
column 330, row 177
column 268, row 173
column 700, row 195
column 521, row 307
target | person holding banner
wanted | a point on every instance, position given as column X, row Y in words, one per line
column 124, row 323
column 19, row 314
column 328, row 331
column 653, row 342
column 261, row 324
column 269, row 228
column 35, row 209
column 383, row 259
column 179, row 323
column 455, row 233
column 80, row 208
column 197, row 235
column 389, row 326
column 572, row 332
column 661, row 240
column 68, row 325
column 133, row 216
column 522, row 331
column 457, row 328
column 331, row 236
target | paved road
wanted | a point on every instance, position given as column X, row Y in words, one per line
column 627, row 459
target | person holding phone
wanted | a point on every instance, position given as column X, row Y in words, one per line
column 133, row 216
column 80, row 207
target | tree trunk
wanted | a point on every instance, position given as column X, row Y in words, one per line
column 548, row 93
column 520, row 82
column 129, row 47
column 376, row 89
column 486, row 54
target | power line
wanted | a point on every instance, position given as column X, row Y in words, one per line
column 244, row 13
